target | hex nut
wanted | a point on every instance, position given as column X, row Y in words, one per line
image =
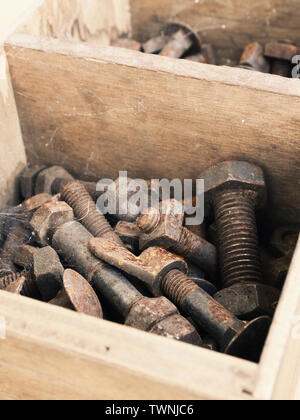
column 33, row 203
column 48, row 272
column 249, row 300
column 159, row 315
column 48, row 218
column 234, row 175
column 46, row 178
column 165, row 225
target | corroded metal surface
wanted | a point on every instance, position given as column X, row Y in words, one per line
column 150, row 267
column 182, row 39
column 284, row 240
column 162, row 226
column 253, row 57
column 46, row 219
column 87, row 213
column 79, row 295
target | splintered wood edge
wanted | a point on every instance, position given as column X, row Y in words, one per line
column 225, row 75
column 56, row 353
column 279, row 369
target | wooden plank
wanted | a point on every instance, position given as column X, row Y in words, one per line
column 13, row 14
column 228, row 24
column 101, row 110
column 60, row 354
column 279, row 371
column 12, row 153
column 94, row 21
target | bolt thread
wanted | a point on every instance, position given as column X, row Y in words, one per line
column 185, row 243
column 177, row 286
column 86, row 210
column 238, row 238
column 149, row 221
column 29, row 288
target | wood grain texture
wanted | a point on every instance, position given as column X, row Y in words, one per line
column 94, row 21
column 101, row 110
column 53, row 353
column 279, row 371
column 228, row 24
column 12, row 153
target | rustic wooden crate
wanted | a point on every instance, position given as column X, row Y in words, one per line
column 115, row 109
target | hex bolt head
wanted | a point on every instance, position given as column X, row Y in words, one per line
column 46, row 219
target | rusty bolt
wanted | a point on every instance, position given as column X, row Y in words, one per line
column 234, row 189
column 156, row 44
column 163, row 226
column 78, row 295
column 164, row 273
column 71, row 240
column 47, row 218
column 87, row 212
column 182, row 39
column 281, row 54
column 253, row 58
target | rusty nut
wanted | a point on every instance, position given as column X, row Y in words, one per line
column 27, row 180
column 160, row 316
column 249, row 300
column 48, row 218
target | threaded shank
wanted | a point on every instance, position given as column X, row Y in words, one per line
column 29, row 288
column 238, row 238
column 177, row 286
column 185, row 243
column 149, row 221
column 85, row 209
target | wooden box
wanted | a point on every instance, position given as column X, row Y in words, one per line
column 97, row 110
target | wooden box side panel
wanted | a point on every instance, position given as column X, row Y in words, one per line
column 48, row 352
column 278, row 374
column 12, row 152
column 101, row 110
column 228, row 24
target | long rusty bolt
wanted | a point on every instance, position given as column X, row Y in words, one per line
column 163, row 226
column 253, row 59
column 78, row 295
column 163, row 273
column 234, row 189
column 281, row 54
column 87, row 213
column 70, row 239
column 183, row 39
